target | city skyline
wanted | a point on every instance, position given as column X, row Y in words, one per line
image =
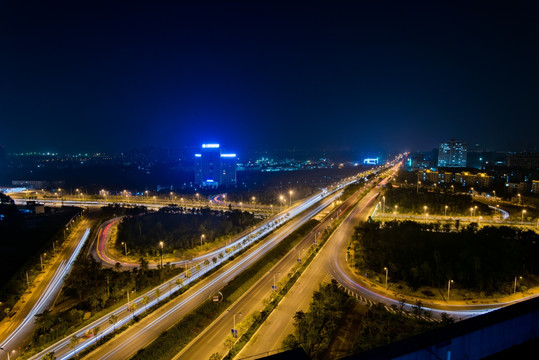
column 367, row 77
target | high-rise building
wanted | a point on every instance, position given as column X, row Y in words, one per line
column 213, row 168
column 524, row 160
column 452, row 154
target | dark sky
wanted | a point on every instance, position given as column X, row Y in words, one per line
column 368, row 75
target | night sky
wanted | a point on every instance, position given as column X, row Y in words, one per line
column 367, row 75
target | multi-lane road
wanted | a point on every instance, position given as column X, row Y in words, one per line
column 331, row 263
column 20, row 326
column 128, row 342
column 17, row 330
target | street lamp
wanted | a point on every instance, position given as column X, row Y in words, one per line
column 522, row 220
column 385, row 268
column 290, row 193
column 161, row 244
column 125, row 247
column 201, row 238
column 425, row 208
column 519, row 199
column 515, row 287
column 282, row 201
column 234, row 331
column 383, row 204
column 445, row 210
column 274, row 287
column 449, row 288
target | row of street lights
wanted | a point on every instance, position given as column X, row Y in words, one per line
column 450, row 281
column 146, row 193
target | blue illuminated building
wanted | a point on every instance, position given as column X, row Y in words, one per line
column 214, row 168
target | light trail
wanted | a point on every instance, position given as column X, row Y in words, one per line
column 165, row 288
column 50, row 292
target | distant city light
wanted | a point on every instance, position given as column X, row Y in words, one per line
column 198, row 155
column 369, row 161
column 228, row 155
column 213, row 146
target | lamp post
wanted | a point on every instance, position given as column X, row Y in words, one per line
column 445, row 210
column 385, row 268
column 290, row 193
column 234, row 331
column 383, row 204
column 201, row 238
column 282, row 201
column 274, row 287
column 161, row 244
column 515, row 287
column 425, row 208
column 125, row 247
column 449, row 288
column 522, row 219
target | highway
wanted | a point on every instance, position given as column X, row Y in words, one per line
column 16, row 331
column 331, row 263
column 212, row 339
column 186, row 302
column 102, row 253
column 279, row 324
column 140, row 335
column 213, row 203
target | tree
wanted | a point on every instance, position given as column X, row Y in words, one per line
column 95, row 331
column 73, row 342
column 290, row 342
column 179, row 282
column 49, row 356
column 113, row 319
column 157, row 293
column 215, row 356
column 134, row 306
column 144, row 301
